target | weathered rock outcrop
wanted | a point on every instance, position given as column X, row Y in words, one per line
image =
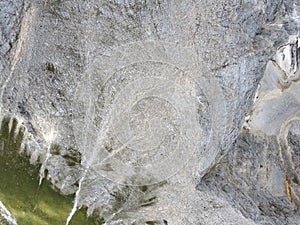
column 134, row 106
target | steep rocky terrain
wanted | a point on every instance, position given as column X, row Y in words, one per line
column 155, row 112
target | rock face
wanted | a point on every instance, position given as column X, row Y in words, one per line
column 136, row 107
column 261, row 173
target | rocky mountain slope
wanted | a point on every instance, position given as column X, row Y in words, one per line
column 154, row 112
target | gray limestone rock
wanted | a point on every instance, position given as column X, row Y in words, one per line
column 136, row 107
column 5, row 216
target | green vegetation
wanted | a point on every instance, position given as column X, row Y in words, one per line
column 19, row 191
column 34, row 205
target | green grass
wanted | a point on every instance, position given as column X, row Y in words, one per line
column 19, row 190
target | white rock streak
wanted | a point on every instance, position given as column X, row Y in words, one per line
column 74, row 209
column 49, row 139
column 7, row 215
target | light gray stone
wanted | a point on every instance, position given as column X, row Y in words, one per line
column 121, row 95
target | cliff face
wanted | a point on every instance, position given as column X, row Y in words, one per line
column 260, row 173
column 138, row 107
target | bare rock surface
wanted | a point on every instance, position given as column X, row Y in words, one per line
column 6, row 217
column 136, row 107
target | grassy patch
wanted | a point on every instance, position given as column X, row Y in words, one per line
column 19, row 190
